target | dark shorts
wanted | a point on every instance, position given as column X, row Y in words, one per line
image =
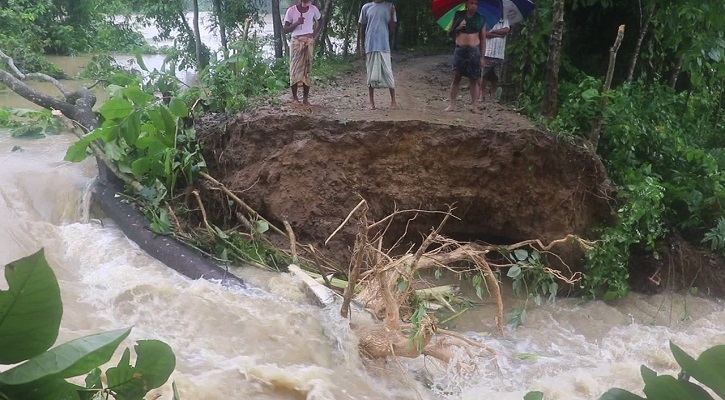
column 495, row 65
column 467, row 59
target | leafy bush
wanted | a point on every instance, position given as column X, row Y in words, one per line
column 716, row 236
column 146, row 137
column 31, row 311
column 230, row 84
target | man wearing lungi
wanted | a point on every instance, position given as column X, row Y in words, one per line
column 469, row 29
column 299, row 20
column 377, row 20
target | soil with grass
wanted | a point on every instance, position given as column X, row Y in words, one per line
column 505, row 179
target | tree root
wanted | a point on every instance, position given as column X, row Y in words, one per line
column 388, row 282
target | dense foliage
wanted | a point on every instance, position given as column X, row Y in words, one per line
column 30, row 316
column 661, row 137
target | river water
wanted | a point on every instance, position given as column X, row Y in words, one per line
column 270, row 343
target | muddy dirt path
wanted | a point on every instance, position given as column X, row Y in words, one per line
column 422, row 88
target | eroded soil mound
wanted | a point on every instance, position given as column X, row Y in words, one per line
column 505, row 185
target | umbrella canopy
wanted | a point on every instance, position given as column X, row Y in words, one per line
column 517, row 10
column 444, row 10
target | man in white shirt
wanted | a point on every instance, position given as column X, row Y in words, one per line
column 300, row 21
column 495, row 51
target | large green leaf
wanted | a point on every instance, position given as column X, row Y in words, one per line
column 30, row 310
column 116, row 108
column 69, row 359
column 77, row 151
column 155, row 362
column 178, row 108
column 709, row 368
column 131, row 128
column 138, row 96
column 620, row 394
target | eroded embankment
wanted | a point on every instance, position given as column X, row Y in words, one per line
column 505, row 186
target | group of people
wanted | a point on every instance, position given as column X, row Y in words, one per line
column 478, row 55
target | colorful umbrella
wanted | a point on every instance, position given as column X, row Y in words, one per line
column 517, row 10
column 444, row 10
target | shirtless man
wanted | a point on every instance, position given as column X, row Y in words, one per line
column 469, row 29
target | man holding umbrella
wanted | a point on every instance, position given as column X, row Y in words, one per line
column 469, row 30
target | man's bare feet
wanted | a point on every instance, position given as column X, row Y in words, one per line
column 395, row 106
column 371, row 106
column 474, row 109
column 306, row 102
column 450, row 108
column 295, row 99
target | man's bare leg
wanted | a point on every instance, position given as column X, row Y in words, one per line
column 371, row 91
column 484, row 83
column 475, row 85
column 455, row 86
column 305, row 94
column 393, row 104
column 494, row 89
column 294, row 93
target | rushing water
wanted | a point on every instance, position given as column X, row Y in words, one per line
column 270, row 343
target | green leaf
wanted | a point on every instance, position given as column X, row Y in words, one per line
column 131, row 128
column 514, row 272
column 77, row 152
column 261, row 226
column 93, row 379
column 665, row 387
column 116, row 108
column 590, row 94
column 124, row 380
column 67, row 360
column 139, row 61
column 620, row 394
column 113, row 151
column 178, row 108
column 155, row 361
column 142, row 165
column 108, row 132
column 708, row 369
column 169, row 122
column 30, row 310
column 137, row 96
column 521, row 254
column 534, row 396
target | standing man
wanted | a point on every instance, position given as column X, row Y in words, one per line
column 299, row 20
column 377, row 21
column 469, row 29
column 495, row 52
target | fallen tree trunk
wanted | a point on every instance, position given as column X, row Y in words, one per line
column 166, row 249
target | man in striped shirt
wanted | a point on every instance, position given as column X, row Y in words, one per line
column 495, row 50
